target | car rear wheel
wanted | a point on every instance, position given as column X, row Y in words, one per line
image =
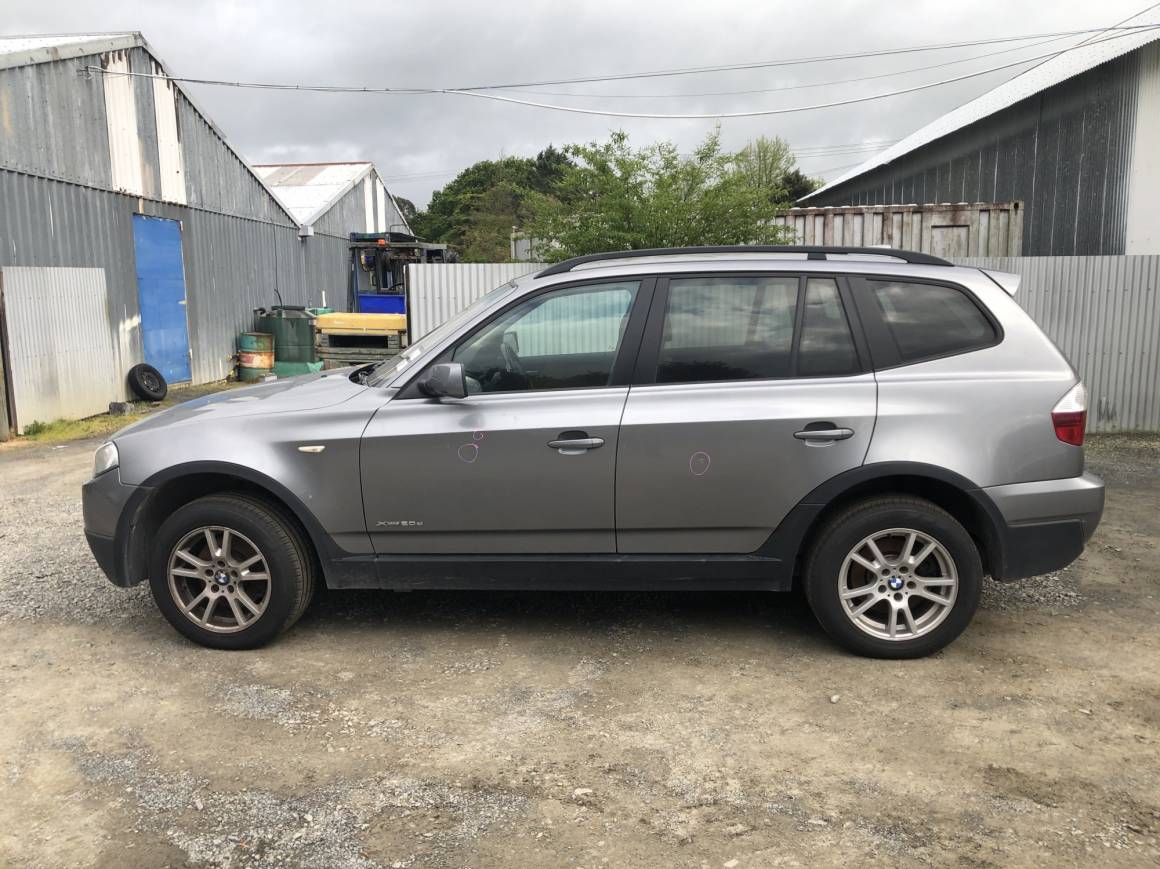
column 893, row 577
column 231, row 571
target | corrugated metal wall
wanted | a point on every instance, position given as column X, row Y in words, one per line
column 1104, row 315
column 232, row 264
column 62, row 368
column 437, row 291
column 1066, row 153
column 946, row 229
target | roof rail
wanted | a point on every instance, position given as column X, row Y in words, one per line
column 814, row 252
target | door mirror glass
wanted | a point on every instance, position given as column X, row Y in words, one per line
column 444, row 380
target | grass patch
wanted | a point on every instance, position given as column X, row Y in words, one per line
column 104, row 424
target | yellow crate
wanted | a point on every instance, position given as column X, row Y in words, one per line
column 360, row 324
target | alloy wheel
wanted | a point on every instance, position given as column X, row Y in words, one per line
column 898, row 584
column 219, row 579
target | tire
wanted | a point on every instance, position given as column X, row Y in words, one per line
column 952, row 572
column 267, row 606
column 147, row 382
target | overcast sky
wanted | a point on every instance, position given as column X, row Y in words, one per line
column 447, row 44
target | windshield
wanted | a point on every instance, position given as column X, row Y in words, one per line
column 388, row 368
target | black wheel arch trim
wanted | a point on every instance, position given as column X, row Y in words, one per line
column 130, row 529
column 792, row 534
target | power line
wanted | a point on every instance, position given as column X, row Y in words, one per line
column 833, row 169
column 765, row 112
column 762, row 64
column 805, row 86
column 615, row 114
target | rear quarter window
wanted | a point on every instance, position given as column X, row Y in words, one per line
column 929, row 320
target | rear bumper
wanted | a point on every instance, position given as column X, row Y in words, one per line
column 1045, row 524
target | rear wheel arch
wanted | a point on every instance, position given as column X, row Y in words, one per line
column 955, row 494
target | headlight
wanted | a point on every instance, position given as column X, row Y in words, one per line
column 105, row 459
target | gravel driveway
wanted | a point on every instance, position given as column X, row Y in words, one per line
column 580, row 730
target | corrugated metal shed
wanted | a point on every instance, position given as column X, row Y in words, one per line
column 83, row 151
column 1039, row 78
column 312, row 190
column 1073, row 141
column 1103, row 312
column 438, row 291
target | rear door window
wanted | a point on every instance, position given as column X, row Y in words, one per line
column 754, row 328
column 929, row 320
column 826, row 347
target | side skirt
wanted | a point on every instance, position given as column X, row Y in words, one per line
column 563, row 573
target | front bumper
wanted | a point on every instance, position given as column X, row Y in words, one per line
column 104, row 502
column 1045, row 524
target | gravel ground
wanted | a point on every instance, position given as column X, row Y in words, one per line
column 580, row 730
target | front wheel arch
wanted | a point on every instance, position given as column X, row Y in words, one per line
column 165, row 493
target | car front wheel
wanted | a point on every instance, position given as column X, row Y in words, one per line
column 231, row 571
column 894, row 577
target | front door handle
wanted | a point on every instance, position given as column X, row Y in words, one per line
column 573, row 443
column 824, row 434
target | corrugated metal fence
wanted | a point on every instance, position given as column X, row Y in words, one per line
column 437, row 291
column 62, row 366
column 1103, row 313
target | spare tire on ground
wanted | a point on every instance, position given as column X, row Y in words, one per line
column 147, row 382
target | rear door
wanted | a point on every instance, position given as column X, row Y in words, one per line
column 526, row 462
column 750, row 390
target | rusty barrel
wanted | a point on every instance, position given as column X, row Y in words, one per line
column 255, row 356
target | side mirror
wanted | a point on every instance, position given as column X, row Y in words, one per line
column 444, row 380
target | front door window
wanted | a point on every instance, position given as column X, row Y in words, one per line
column 567, row 339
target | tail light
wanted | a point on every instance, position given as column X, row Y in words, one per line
column 1070, row 416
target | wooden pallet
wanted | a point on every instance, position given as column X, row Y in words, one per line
column 354, row 356
column 341, row 341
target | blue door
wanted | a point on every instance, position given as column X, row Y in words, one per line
column 161, row 294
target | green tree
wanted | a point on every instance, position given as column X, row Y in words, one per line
column 615, row 197
column 769, row 165
column 475, row 211
column 406, row 208
column 798, row 184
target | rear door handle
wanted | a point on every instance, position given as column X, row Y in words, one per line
column 824, row 434
column 573, row 443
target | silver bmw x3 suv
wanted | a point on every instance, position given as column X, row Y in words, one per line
column 876, row 427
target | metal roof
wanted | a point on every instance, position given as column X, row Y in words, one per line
column 1051, row 72
column 24, row 50
column 310, row 190
column 44, row 48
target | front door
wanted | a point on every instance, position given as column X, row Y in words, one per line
column 161, row 295
column 736, row 372
column 526, row 462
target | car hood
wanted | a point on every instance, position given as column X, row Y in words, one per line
column 308, row 392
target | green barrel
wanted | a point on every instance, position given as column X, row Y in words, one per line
column 255, row 356
column 293, row 329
